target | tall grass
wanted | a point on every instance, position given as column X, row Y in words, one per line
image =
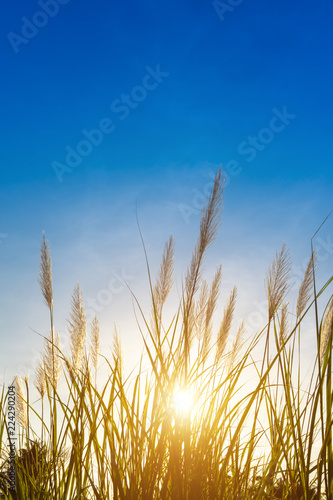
column 193, row 425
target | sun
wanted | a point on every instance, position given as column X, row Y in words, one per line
column 182, row 401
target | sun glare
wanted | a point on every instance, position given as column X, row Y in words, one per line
column 183, row 401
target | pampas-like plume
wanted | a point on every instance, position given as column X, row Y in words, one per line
column 283, row 324
column 117, row 350
column 210, row 308
column 224, row 330
column 77, row 326
column 209, row 224
column 191, row 319
column 326, row 331
column 21, row 403
column 163, row 284
column 200, row 310
column 40, row 379
column 276, row 281
column 51, row 361
column 94, row 346
column 305, row 290
column 45, row 273
column 237, row 344
column 165, row 280
column 86, row 368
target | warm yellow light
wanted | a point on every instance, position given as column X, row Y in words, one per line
column 182, row 401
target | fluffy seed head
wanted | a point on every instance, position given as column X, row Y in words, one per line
column 210, row 308
column 117, row 350
column 283, row 324
column 45, row 273
column 165, row 280
column 52, row 363
column 236, row 344
column 21, row 403
column 77, row 326
column 40, row 379
column 326, row 331
column 209, row 224
column 224, row 330
column 163, row 285
column 94, row 346
column 201, row 309
column 276, row 281
column 305, row 290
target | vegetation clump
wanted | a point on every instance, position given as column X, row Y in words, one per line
column 202, row 418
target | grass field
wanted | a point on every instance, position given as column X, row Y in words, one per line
column 189, row 427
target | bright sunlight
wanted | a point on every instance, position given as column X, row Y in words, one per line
column 183, row 401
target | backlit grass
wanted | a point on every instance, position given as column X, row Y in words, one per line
column 207, row 420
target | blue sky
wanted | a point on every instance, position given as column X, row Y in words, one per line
column 174, row 90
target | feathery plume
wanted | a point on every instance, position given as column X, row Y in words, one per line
column 45, row 273
column 21, row 403
column 237, row 344
column 224, row 330
column 86, row 368
column 305, row 290
column 276, row 281
column 283, row 324
column 94, row 346
column 210, row 308
column 165, row 280
column 163, row 284
column 191, row 321
column 209, row 224
column 77, row 326
column 117, row 350
column 326, row 331
column 52, row 364
column 200, row 310
column 40, row 379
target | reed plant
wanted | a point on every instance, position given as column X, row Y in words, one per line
column 201, row 417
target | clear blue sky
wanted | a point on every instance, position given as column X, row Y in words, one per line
column 109, row 104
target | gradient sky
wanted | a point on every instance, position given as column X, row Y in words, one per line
column 178, row 89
